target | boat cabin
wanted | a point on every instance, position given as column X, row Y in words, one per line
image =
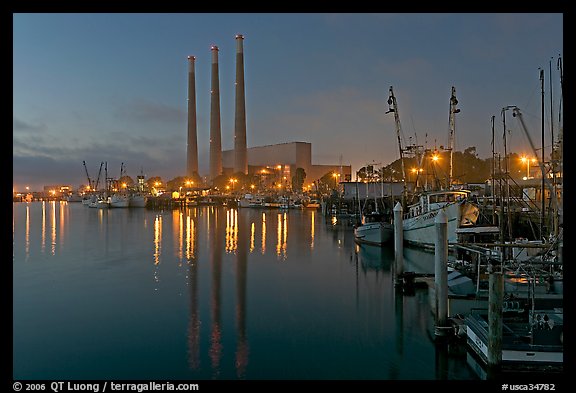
column 430, row 201
column 375, row 217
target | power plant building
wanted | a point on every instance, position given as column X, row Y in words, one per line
column 284, row 157
column 290, row 156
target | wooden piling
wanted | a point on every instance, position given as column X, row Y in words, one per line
column 441, row 272
column 495, row 299
column 398, row 241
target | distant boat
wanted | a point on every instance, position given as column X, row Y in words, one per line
column 375, row 228
column 137, row 200
column 74, row 197
column 418, row 222
column 313, row 204
column 102, row 203
column 119, row 200
column 93, row 201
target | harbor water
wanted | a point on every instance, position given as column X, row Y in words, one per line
column 211, row 292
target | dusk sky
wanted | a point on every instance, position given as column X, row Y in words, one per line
column 113, row 87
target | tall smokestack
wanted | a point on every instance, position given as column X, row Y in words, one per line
column 240, row 150
column 215, row 139
column 192, row 150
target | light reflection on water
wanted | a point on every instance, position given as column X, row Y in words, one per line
column 140, row 294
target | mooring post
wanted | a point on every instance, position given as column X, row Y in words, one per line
column 495, row 299
column 441, row 272
column 398, row 241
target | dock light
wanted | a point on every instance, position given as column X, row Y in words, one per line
column 414, row 170
column 279, row 167
column 435, row 157
column 252, row 186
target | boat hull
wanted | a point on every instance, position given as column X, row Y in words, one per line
column 118, row 201
column 421, row 230
column 515, row 354
column 137, row 201
column 374, row 233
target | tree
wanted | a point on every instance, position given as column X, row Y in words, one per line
column 298, row 179
column 151, row 182
column 176, row 183
column 220, row 182
column 126, row 180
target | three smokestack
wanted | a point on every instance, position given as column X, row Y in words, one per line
column 215, row 139
column 192, row 150
column 240, row 149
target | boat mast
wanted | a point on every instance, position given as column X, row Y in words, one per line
column 98, row 178
column 518, row 114
column 90, row 182
column 560, row 156
column 543, row 172
column 453, row 111
column 506, row 174
column 393, row 107
column 493, row 175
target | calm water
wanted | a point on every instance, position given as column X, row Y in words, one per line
column 212, row 293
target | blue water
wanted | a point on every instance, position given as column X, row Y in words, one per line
column 212, row 293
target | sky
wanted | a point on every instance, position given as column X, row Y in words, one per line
column 112, row 87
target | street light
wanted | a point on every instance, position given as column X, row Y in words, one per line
column 527, row 161
column 335, row 176
column 233, row 181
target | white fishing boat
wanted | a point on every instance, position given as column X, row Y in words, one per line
column 375, row 228
column 418, row 222
column 119, row 200
column 137, row 200
column 93, row 200
column 101, row 203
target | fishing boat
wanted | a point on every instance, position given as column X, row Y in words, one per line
column 418, row 222
column 137, row 200
column 375, row 228
column 529, row 343
column 119, row 200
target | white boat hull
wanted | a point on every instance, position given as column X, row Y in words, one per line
column 374, row 233
column 117, row 201
column 137, row 201
column 421, row 230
